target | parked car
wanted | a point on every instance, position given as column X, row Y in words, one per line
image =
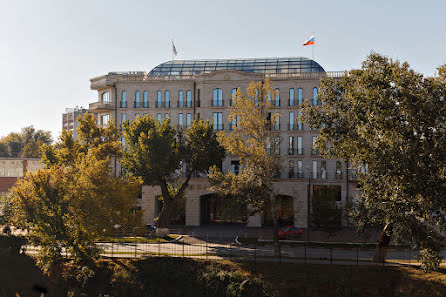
column 290, row 232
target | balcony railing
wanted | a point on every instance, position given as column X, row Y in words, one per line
column 300, row 151
column 123, row 104
column 141, row 104
column 181, row 104
column 218, row 103
column 101, row 106
column 162, row 104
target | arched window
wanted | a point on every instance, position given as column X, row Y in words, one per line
column 233, row 96
column 123, row 99
column 166, row 99
column 106, row 97
column 277, row 99
column 314, row 96
column 137, row 99
column 299, row 97
column 180, row 99
column 217, row 97
column 291, row 102
column 146, row 99
column 189, row 98
column 158, row 99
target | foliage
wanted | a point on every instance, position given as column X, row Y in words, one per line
column 157, row 153
column 5, row 207
column 256, row 144
column 24, row 144
column 390, row 120
column 325, row 213
column 75, row 199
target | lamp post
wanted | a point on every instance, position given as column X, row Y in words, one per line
column 308, row 204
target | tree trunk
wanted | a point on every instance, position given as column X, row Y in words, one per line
column 276, row 226
column 383, row 243
column 164, row 217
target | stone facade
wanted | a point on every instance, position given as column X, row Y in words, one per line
column 118, row 95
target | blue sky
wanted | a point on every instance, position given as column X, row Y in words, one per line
column 50, row 49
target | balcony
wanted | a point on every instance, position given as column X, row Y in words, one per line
column 300, row 151
column 123, row 104
column 141, row 104
column 162, row 104
column 218, row 103
column 99, row 107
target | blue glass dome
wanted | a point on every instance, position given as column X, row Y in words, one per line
column 263, row 66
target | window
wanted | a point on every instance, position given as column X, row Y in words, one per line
column 218, row 121
column 235, row 167
column 268, row 146
column 189, row 98
column 324, row 169
column 188, row 120
column 291, row 123
column 11, row 168
column 123, row 141
column 105, row 119
column 106, row 97
column 217, row 97
column 300, row 125
column 338, row 170
column 123, row 99
column 137, row 100
column 300, row 98
column 158, row 99
column 180, row 99
column 146, row 99
column 123, row 118
column 180, row 121
column 313, row 147
column 233, row 96
column 291, row 102
column 299, row 146
column 136, row 115
column 166, row 115
column 291, row 169
column 277, row 123
column 166, row 99
column 277, row 145
column 291, row 145
column 315, row 169
column 314, row 96
column 159, row 117
column 300, row 172
column 277, row 99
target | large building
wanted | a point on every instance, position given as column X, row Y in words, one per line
column 69, row 119
column 183, row 90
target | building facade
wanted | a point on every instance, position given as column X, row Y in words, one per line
column 69, row 119
column 184, row 90
column 12, row 169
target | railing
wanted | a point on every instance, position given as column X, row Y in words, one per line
column 300, row 151
column 141, row 104
column 219, row 127
column 123, row 104
column 162, row 104
column 218, row 103
column 101, row 105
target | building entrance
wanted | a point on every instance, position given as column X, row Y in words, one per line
column 221, row 210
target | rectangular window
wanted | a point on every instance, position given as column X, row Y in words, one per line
column 218, row 121
column 314, row 170
column 300, row 150
column 338, row 170
column 146, row 99
column 123, row 117
column 188, row 120
column 300, row 98
column 313, row 147
column 277, row 145
column 166, row 115
column 291, row 123
column 123, row 99
column 300, row 125
column 159, row 117
column 137, row 99
column 158, row 99
column 166, row 99
column 106, row 97
column 291, row 169
column 314, row 96
column 235, row 167
column 277, row 123
column 189, row 98
column 291, row 145
column 180, row 121
column 233, row 96
column 105, row 119
column 324, row 169
column 180, row 99
column 291, row 102
column 300, row 172
column 217, row 97
column 277, row 98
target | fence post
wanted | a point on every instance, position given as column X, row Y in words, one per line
column 207, row 238
column 159, row 247
column 113, row 245
column 136, row 244
column 305, row 250
column 409, row 256
column 331, row 255
column 183, row 247
column 357, row 256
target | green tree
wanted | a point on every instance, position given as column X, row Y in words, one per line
column 5, row 207
column 75, row 199
column 256, row 143
column 325, row 213
column 390, row 121
column 24, row 144
column 156, row 151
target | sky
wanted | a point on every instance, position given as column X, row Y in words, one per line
column 50, row 49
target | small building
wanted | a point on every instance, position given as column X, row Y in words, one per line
column 69, row 119
column 12, row 169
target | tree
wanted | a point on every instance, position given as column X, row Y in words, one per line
column 256, row 143
column 75, row 199
column 325, row 213
column 24, row 144
column 390, row 121
column 156, row 152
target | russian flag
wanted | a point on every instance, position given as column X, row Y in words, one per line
column 309, row 41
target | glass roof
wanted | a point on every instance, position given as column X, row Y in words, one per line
column 261, row 65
